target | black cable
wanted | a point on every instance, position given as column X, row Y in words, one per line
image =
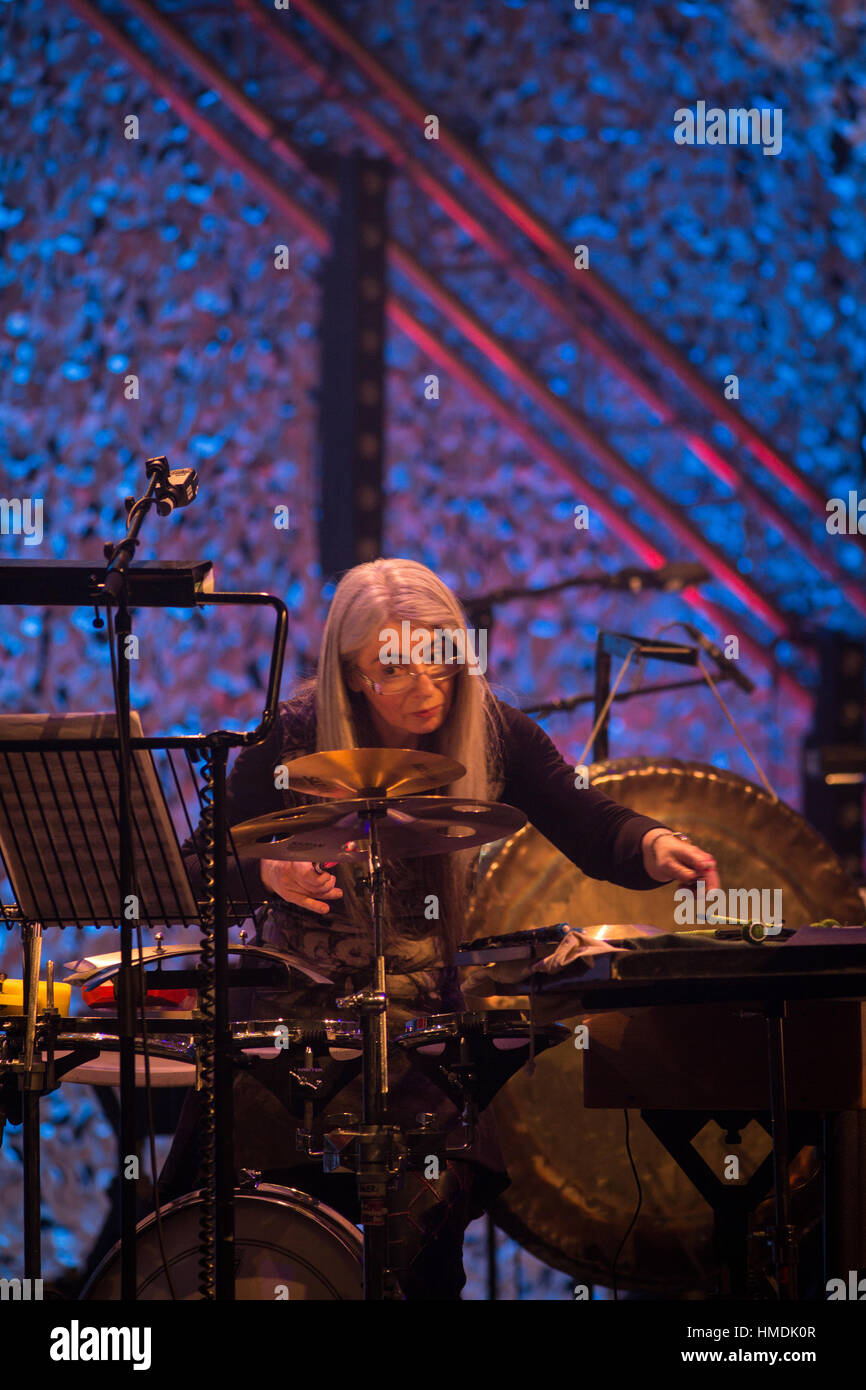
column 631, row 1224
column 207, row 1010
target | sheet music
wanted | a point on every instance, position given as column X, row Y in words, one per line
column 59, row 834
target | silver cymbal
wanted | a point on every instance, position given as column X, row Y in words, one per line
column 414, row 825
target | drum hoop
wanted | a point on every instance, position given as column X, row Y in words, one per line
column 337, row 1225
column 450, row 1025
column 283, row 1196
column 183, row 1043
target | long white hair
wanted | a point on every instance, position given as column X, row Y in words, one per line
column 384, row 593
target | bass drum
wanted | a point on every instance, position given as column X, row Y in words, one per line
column 572, row 1193
column 287, row 1246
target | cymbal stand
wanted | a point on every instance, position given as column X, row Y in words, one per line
column 31, row 1080
column 379, row 1149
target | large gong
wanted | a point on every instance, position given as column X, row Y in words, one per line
column 572, row 1192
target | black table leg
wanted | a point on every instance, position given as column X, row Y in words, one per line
column 784, row 1241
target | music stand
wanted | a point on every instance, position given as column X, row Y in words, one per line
column 60, row 831
column 183, row 586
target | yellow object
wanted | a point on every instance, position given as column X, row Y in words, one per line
column 12, row 997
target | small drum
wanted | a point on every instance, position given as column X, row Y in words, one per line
column 172, row 1059
column 310, row 1060
column 338, row 1038
column 288, row 1247
column 471, row 1055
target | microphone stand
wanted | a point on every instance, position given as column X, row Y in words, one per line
column 670, row 578
column 116, row 590
column 570, row 702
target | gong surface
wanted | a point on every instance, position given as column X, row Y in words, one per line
column 572, row 1193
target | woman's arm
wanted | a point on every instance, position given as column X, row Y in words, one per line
column 603, row 838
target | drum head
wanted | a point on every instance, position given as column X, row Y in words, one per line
column 288, row 1247
column 572, row 1193
column 171, row 1061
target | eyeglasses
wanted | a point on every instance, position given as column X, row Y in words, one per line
column 397, row 682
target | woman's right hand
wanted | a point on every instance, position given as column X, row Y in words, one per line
column 299, row 882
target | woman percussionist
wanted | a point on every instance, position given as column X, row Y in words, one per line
column 369, row 692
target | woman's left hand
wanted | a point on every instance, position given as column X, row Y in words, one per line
column 667, row 857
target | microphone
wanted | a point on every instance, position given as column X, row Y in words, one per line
column 723, row 662
column 178, row 490
column 671, row 578
column 681, row 574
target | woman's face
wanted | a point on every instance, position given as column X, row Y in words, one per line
column 401, row 718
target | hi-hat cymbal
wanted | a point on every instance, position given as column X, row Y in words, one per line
column 339, row 830
column 372, row 772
